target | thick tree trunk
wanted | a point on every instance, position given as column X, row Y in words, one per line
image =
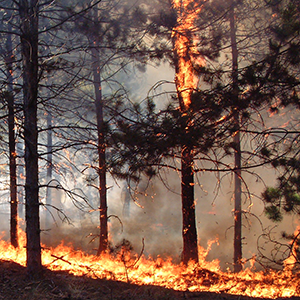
column 237, row 260
column 29, row 43
column 103, row 243
column 189, row 230
column 12, row 146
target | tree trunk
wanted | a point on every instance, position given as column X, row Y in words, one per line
column 237, row 204
column 237, row 260
column 12, row 145
column 103, row 243
column 20, row 178
column 29, row 44
column 49, row 171
column 126, row 198
column 189, row 230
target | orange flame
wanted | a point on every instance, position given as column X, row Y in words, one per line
column 206, row 276
column 185, row 49
column 290, row 262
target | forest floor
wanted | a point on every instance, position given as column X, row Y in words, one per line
column 16, row 285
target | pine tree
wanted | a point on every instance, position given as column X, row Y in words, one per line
column 285, row 52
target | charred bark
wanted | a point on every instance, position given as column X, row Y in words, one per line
column 28, row 11
column 12, row 145
column 237, row 259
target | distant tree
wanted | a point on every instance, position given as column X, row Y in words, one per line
column 110, row 38
column 248, row 44
column 243, row 39
column 273, row 80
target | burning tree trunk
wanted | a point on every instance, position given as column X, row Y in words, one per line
column 28, row 11
column 185, row 53
column 12, row 145
column 237, row 154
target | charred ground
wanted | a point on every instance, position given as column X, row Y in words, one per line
column 16, row 284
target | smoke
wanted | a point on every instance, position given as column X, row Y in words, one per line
column 155, row 224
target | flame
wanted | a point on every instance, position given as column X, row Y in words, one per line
column 205, row 276
column 185, row 49
column 290, row 262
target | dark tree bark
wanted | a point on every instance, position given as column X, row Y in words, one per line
column 101, row 170
column 28, row 11
column 237, row 203
column 12, row 144
column 237, row 260
column 189, row 230
column 20, row 179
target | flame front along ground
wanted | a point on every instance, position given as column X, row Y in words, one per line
column 206, row 276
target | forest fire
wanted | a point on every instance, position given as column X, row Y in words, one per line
column 125, row 267
column 75, row 83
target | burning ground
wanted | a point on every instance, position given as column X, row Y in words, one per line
column 73, row 274
column 14, row 284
